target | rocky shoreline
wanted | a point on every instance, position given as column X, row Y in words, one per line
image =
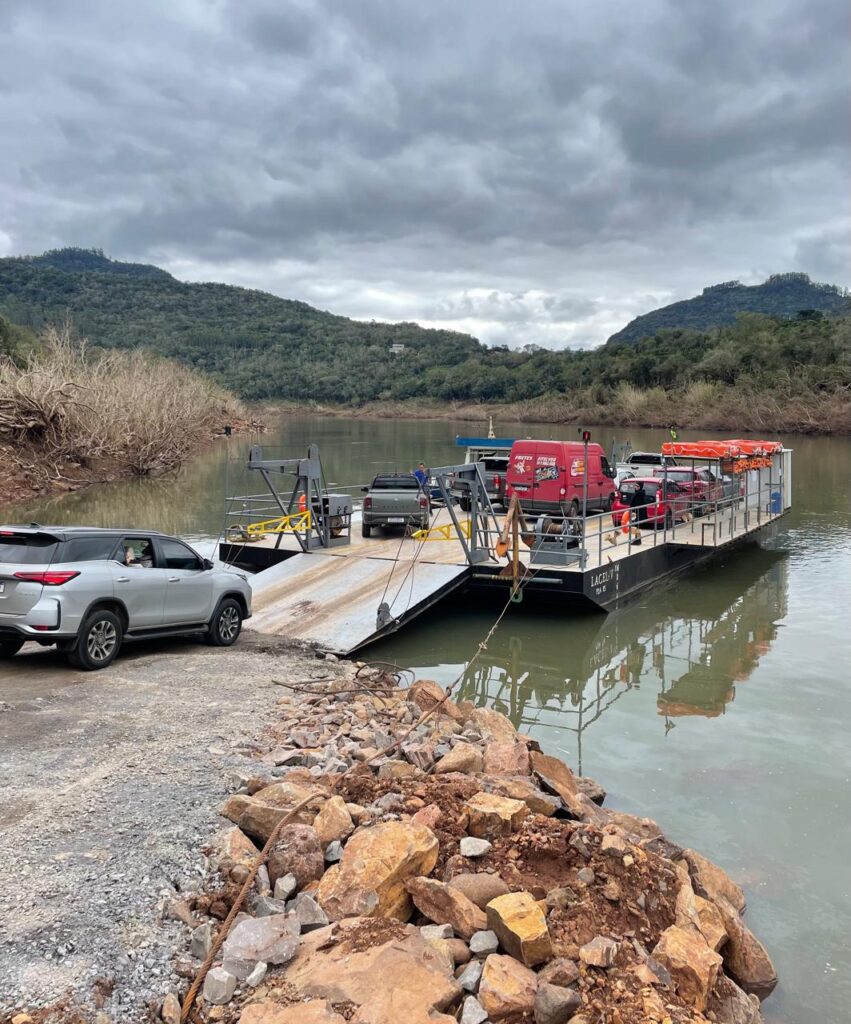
column 427, row 864
column 460, row 874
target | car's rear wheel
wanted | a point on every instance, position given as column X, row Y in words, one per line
column 465, row 503
column 9, row 648
column 366, row 531
column 226, row 623
column 98, row 641
column 573, row 509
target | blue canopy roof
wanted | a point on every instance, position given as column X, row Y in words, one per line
column 483, row 442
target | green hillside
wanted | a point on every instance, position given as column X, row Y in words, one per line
column 782, row 296
column 266, row 348
column 259, row 345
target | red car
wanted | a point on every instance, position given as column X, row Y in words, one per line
column 701, row 485
column 661, row 509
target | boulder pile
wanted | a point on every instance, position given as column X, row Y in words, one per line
column 466, row 876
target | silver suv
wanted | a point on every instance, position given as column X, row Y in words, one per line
column 87, row 590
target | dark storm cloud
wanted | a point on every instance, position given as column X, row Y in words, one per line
column 537, row 173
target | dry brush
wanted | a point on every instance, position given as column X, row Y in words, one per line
column 143, row 413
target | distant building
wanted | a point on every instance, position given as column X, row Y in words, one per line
column 397, row 348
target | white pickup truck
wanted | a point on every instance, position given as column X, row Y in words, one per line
column 395, row 500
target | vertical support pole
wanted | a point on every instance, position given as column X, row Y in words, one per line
column 584, row 499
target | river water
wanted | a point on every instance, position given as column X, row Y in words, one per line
column 719, row 705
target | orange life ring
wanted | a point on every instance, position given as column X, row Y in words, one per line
column 625, row 521
column 302, row 504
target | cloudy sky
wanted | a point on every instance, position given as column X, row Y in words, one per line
column 527, row 171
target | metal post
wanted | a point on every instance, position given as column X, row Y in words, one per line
column 584, row 500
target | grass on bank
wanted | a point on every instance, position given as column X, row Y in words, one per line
column 142, row 413
column 700, row 405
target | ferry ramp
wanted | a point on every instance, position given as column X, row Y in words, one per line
column 332, row 602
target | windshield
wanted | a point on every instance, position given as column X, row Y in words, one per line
column 395, row 483
column 27, row 549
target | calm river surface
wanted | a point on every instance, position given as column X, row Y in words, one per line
column 720, row 705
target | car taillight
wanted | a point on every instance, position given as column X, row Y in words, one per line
column 51, row 578
column 423, row 501
column 367, row 502
column 497, row 481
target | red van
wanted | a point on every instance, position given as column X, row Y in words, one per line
column 547, row 476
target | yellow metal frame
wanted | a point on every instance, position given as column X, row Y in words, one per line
column 295, row 522
column 446, row 532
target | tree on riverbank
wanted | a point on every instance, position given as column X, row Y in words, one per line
column 138, row 412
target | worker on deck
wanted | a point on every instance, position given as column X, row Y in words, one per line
column 640, row 501
column 421, row 473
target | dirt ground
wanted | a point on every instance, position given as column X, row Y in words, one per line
column 110, row 783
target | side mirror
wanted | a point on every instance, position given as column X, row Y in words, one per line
column 364, row 489
column 206, row 563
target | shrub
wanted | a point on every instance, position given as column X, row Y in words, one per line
column 143, row 411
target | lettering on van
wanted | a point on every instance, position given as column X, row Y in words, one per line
column 577, row 467
column 522, row 463
column 604, row 582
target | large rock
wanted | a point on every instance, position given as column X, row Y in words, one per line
column 730, row 1005
column 694, row 911
column 333, row 822
column 557, row 777
column 219, row 986
column 384, row 968
column 272, row 940
column 480, row 888
column 426, row 694
column 297, row 852
column 494, row 727
column 561, row 971
column 258, row 815
column 713, row 882
column 506, row 757
column 521, row 787
column 234, row 845
column 555, row 1005
column 693, row 965
column 745, row 957
column 463, row 757
column 445, row 904
column 599, row 952
column 521, row 927
column 507, row 987
column 370, row 879
column 316, row 1011
column 490, row 816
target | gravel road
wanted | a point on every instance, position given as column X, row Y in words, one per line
column 110, row 783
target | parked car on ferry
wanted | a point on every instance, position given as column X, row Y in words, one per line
column 395, row 500
column 641, row 460
column 493, row 453
column 700, row 483
column 90, row 590
column 623, row 471
column 549, row 476
column 665, row 504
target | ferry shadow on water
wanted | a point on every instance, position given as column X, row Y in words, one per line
column 694, row 643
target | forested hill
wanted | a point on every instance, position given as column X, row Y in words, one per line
column 782, row 296
column 93, row 261
column 263, row 347
column 259, row 345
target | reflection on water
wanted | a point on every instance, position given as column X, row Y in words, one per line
column 691, row 647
